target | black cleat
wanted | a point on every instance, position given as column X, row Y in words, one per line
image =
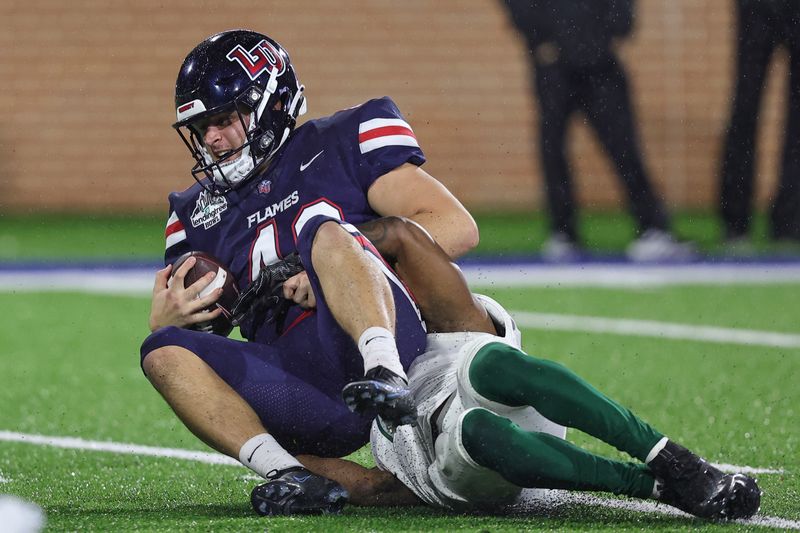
column 693, row 485
column 297, row 491
column 385, row 393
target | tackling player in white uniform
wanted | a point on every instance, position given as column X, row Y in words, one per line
column 492, row 419
column 430, row 458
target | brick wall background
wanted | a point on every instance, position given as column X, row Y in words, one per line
column 86, row 92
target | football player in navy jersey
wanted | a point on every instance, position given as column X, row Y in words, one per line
column 264, row 191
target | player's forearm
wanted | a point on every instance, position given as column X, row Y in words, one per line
column 438, row 286
column 367, row 486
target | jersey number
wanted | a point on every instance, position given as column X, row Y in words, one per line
column 266, row 250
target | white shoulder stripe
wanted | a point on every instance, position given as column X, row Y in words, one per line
column 387, row 140
column 175, row 238
column 173, row 217
column 381, row 123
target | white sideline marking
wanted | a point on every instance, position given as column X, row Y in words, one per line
column 531, row 498
column 628, row 275
column 100, row 281
column 109, row 280
column 652, row 328
column 139, row 282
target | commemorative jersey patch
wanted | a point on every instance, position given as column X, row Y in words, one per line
column 208, row 210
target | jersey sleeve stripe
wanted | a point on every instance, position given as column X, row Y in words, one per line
column 173, row 228
column 383, row 131
column 175, row 238
column 387, row 140
column 175, row 231
column 381, row 123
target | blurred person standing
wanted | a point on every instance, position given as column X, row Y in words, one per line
column 571, row 45
column 762, row 26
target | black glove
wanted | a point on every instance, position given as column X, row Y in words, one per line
column 385, row 393
column 263, row 300
column 297, row 491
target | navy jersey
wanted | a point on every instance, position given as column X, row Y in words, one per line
column 325, row 168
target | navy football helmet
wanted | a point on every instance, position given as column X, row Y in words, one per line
column 247, row 73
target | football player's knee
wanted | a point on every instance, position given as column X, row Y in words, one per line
column 158, row 338
column 330, row 234
column 159, row 351
column 316, row 232
column 158, row 362
column 479, row 426
column 331, row 243
column 490, row 367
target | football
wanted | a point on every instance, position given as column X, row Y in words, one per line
column 230, row 291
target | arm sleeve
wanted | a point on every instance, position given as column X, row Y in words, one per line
column 385, row 140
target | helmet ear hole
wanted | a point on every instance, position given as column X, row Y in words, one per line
column 284, row 100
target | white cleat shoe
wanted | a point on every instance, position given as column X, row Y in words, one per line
column 656, row 245
column 560, row 248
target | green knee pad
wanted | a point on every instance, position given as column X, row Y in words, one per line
column 490, row 369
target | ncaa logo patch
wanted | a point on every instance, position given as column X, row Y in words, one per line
column 263, row 57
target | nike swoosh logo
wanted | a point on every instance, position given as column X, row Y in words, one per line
column 373, row 338
column 254, row 452
column 304, row 166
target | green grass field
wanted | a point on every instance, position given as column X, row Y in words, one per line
column 70, row 368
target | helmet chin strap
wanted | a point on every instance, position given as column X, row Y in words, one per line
column 298, row 99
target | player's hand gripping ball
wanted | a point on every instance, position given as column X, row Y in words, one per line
column 204, row 264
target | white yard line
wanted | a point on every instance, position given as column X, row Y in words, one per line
column 77, row 443
column 652, row 328
column 117, row 447
column 532, row 498
column 538, row 499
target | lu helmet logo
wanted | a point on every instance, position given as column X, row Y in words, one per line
column 263, row 57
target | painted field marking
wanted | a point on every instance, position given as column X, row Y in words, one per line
column 126, row 279
column 653, row 328
column 538, row 499
column 627, row 275
column 76, row 443
column 138, row 282
column 531, row 498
